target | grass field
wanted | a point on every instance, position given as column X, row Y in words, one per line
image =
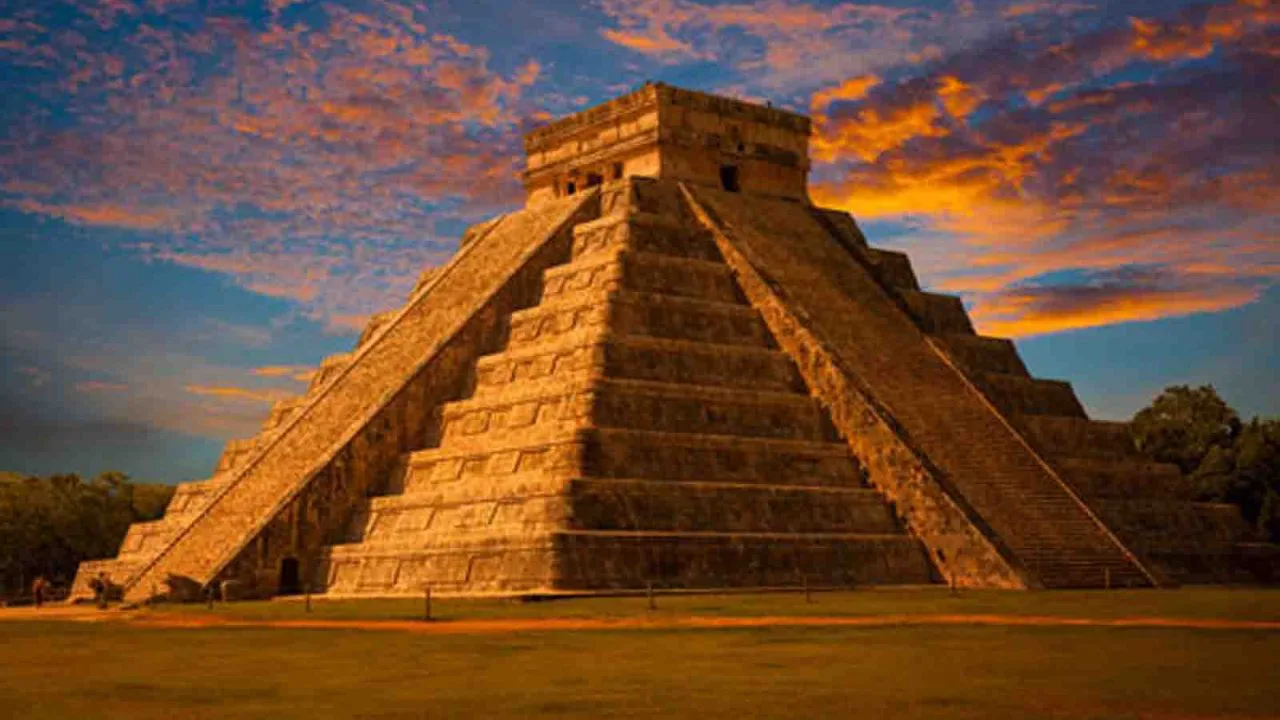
column 1234, row 604
column 110, row 669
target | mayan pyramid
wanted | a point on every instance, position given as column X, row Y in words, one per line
column 670, row 368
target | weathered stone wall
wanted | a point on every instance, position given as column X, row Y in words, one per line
column 343, row 433
column 661, row 131
column 912, row 418
column 640, row 413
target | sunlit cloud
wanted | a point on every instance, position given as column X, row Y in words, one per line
column 298, row 157
column 301, row 373
column 1091, row 154
column 239, row 393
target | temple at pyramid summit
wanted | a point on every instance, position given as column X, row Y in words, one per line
column 671, row 369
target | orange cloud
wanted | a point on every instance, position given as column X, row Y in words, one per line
column 304, row 158
column 855, row 88
column 301, row 373
column 1048, row 310
column 1003, row 205
column 655, row 42
column 238, row 393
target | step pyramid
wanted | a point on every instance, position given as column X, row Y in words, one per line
column 639, row 426
column 670, row 369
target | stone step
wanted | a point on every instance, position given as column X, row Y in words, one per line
column 843, row 226
column 144, row 539
column 500, row 565
column 377, row 321
column 344, row 444
column 603, row 560
column 643, row 232
column 1023, row 395
column 631, row 505
column 574, row 354
column 1076, row 437
column 236, row 452
column 937, row 314
column 629, row 453
column 643, row 272
column 979, row 354
column 642, row 358
column 116, row 571
column 692, row 362
column 330, row 368
column 282, row 410
column 618, row 504
column 543, row 409
column 1173, row 523
column 703, row 409
column 629, row 313
column 612, row 559
column 1122, row 478
column 892, row 269
column 625, row 453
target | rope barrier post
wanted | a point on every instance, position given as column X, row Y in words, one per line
column 426, row 604
column 1106, row 578
column 808, row 597
column 308, row 597
column 649, row 592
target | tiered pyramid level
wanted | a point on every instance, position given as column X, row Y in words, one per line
column 640, row 379
column 1146, row 504
column 641, row 426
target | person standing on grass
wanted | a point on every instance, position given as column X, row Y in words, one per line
column 99, row 585
column 37, row 589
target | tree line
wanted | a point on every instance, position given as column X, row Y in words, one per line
column 49, row 524
column 1225, row 458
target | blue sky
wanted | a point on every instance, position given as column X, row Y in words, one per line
column 201, row 198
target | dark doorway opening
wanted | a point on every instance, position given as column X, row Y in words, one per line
column 290, row 577
column 617, row 171
column 729, row 177
column 594, row 179
column 570, row 189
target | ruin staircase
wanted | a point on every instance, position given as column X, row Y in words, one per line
column 802, row 265
column 640, row 427
column 346, row 436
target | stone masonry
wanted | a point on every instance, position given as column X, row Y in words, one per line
column 670, row 369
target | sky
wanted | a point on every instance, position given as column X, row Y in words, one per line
column 201, row 199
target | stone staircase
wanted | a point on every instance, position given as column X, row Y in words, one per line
column 868, row 316
column 280, row 494
column 1147, row 505
column 640, row 426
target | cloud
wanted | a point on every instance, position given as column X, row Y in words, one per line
column 774, row 44
column 301, row 156
column 239, row 393
column 1038, row 157
column 301, row 373
column 1112, row 297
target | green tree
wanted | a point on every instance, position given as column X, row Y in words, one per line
column 1226, row 460
column 49, row 525
column 1183, row 425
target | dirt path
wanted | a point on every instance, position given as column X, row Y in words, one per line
column 499, row 626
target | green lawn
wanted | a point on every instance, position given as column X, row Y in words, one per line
column 1233, row 604
column 80, row 670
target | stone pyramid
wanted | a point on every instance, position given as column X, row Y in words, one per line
column 670, row 368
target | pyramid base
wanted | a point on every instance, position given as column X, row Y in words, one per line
column 590, row 562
